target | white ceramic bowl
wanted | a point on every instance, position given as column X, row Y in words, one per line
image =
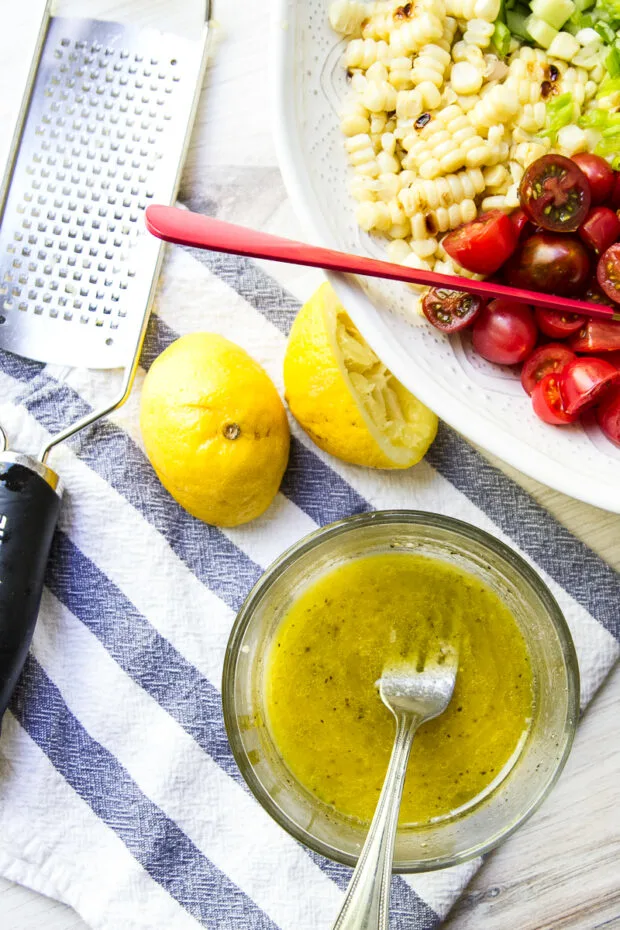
column 484, row 402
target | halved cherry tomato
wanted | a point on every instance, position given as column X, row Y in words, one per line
column 546, row 360
column 614, row 200
column 484, row 244
column 547, row 402
column 557, row 325
column 521, row 222
column 608, row 272
column 450, row 311
column 596, row 336
column 584, row 381
column 599, row 173
column 608, row 415
column 505, row 332
column 555, row 194
column 595, row 295
column 550, row 262
column 600, row 229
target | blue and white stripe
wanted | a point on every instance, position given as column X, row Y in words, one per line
column 118, row 791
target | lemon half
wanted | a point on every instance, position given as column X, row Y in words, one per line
column 344, row 397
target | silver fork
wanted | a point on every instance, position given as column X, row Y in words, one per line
column 415, row 692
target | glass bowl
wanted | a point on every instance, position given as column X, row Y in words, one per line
column 554, row 665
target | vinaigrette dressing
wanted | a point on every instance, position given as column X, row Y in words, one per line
column 323, row 705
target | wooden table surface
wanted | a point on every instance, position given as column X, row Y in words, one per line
column 562, row 869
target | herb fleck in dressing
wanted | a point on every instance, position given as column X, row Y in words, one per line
column 323, row 706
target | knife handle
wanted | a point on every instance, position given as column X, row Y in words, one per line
column 30, row 495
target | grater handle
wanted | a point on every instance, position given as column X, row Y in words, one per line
column 30, row 496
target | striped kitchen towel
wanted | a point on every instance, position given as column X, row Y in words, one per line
column 118, row 791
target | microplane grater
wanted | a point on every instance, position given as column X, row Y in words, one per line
column 104, row 134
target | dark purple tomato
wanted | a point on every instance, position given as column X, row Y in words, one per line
column 550, row 262
column 555, row 194
column 449, row 310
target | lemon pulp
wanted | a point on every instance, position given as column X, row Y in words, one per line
column 343, row 395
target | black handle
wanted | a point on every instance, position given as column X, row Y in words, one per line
column 29, row 509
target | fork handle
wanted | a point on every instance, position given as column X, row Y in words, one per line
column 367, row 902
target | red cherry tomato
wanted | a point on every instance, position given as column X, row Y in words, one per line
column 613, row 358
column 614, row 200
column 505, row 332
column 450, row 311
column 599, row 173
column 596, row 336
column 550, row 262
column 547, row 402
column 555, row 193
column 600, row 229
column 558, row 325
column 546, row 360
column 608, row 272
column 484, row 244
column 608, row 415
column 583, row 381
column 521, row 222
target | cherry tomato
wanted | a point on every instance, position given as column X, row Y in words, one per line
column 614, row 200
column 505, row 332
column 450, row 311
column 484, row 244
column 608, row 415
column 596, row 336
column 600, row 229
column 549, row 262
column 547, row 402
column 558, row 325
column 583, row 381
column 555, row 194
column 595, row 295
column 599, row 173
column 613, row 358
column 608, row 272
column 521, row 222
column 546, row 360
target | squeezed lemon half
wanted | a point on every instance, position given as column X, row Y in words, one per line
column 344, row 397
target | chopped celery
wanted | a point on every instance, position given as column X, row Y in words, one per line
column 612, row 63
column 501, row 39
column 610, row 85
column 606, row 33
column 615, row 163
column 599, row 119
column 610, row 146
column 560, row 112
column 515, row 20
column 582, row 5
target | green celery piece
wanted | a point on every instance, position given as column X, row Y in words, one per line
column 615, row 163
column 515, row 20
column 599, row 119
column 606, row 33
column 612, row 62
column 501, row 39
column 609, row 86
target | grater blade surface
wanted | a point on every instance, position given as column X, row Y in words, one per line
column 105, row 135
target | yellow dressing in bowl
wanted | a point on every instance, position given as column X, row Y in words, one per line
column 323, row 705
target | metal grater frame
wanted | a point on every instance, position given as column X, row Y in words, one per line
column 105, row 134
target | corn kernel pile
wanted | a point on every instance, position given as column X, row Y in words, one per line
column 439, row 128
